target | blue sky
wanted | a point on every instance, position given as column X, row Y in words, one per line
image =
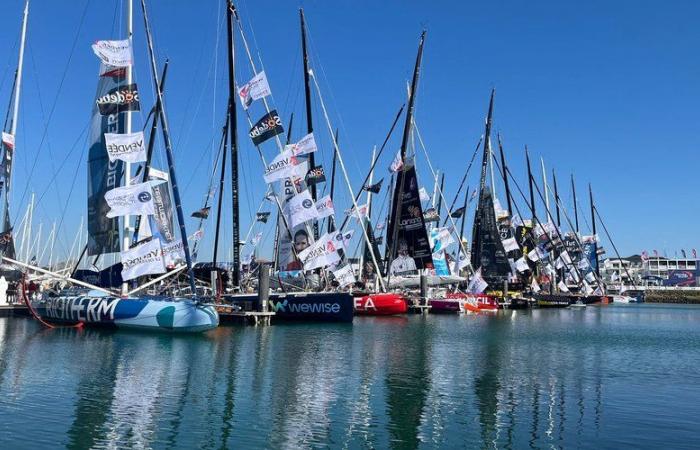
column 606, row 90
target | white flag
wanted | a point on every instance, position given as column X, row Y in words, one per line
column 255, row 89
column 510, row 244
column 583, row 264
column 590, row 277
column 306, row 145
column 360, row 213
column 256, row 239
column 477, row 284
column 563, row 287
column 114, row 53
column 534, row 286
column 423, row 195
column 159, row 174
column 565, row 257
column 285, row 165
column 321, row 253
column 9, row 140
column 500, row 212
column 397, row 163
column 325, row 207
column 126, row 147
column 299, row 209
column 534, row 255
column 516, row 221
column 342, row 240
column 143, row 259
column 521, row 265
column 344, row 275
column 173, row 253
column 130, row 200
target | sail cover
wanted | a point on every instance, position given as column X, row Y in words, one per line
column 412, row 237
column 487, row 250
column 103, row 175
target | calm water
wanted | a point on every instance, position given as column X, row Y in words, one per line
column 612, row 377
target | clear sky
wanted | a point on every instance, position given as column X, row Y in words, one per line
column 608, row 91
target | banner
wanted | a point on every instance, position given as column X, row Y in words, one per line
column 374, row 188
column 118, row 100
column 534, row 286
column 285, row 165
column 114, row 53
column 457, row 213
column 510, row 244
column 299, row 209
column 201, row 213
column 8, row 140
column 431, row 215
column 255, row 89
column 360, row 213
column 440, row 263
column 268, row 126
column 144, row 259
column 325, row 207
column 477, row 284
column 423, row 195
column 440, row 238
column 562, row 287
column 127, row 147
column 130, row 200
column 315, row 175
column 521, row 265
column 262, row 216
column 342, row 240
column 173, row 253
column 306, row 145
column 344, row 276
column 256, row 239
column 397, row 163
column 320, row 254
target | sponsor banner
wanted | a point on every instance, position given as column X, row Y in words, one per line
column 162, row 219
column 268, row 126
column 477, row 284
column 262, row 216
column 8, row 140
column 431, row 215
column 114, row 53
column 521, row 265
column 285, row 165
column 342, row 240
column 300, row 209
column 440, row 263
column 130, row 200
column 510, row 244
column 154, row 173
column 440, row 238
column 173, row 253
column 360, row 213
column 684, row 278
column 144, row 259
column 374, row 188
column 315, row 175
column 423, row 194
column 255, row 89
column 344, row 276
column 118, row 100
column 127, row 147
column 325, row 207
column 306, row 145
column 321, row 253
column 397, row 163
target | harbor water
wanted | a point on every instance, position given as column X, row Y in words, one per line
column 623, row 376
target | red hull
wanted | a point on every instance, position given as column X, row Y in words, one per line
column 460, row 302
column 381, row 304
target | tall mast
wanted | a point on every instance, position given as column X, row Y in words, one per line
column 221, row 190
column 233, row 135
column 331, row 219
column 307, row 99
column 368, row 221
column 529, row 182
column 573, row 191
column 556, row 197
column 546, row 190
column 504, row 168
column 595, row 245
column 126, row 243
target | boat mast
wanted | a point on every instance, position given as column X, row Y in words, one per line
column 546, row 190
column 573, row 191
column 595, row 241
column 307, row 99
column 504, row 168
column 221, row 190
column 461, row 227
column 126, row 223
column 556, row 198
column 331, row 219
column 368, row 220
column 233, row 135
column 529, row 182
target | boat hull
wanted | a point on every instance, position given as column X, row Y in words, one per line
column 142, row 313
column 300, row 306
column 464, row 303
column 387, row 304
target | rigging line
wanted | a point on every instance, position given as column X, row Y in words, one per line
column 8, row 65
column 58, row 93
column 464, row 178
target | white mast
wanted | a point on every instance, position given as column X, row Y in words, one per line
column 20, row 63
column 369, row 203
column 127, row 166
column 546, row 191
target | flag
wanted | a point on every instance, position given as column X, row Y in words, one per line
column 130, row 200
column 306, row 145
column 255, row 89
column 325, row 207
column 645, row 255
column 321, row 253
column 256, row 239
column 197, row 235
column 202, row 213
column 344, row 275
column 431, row 215
column 379, row 240
column 562, row 287
column 9, row 140
column 473, row 195
column 299, row 209
column 521, row 265
column 423, row 195
column 457, row 213
column 285, row 165
column 315, row 175
column 374, row 188
column 590, row 277
column 127, row 147
column 440, row 238
column 510, row 244
column 587, row 288
column 535, row 254
column 144, row 259
column 268, row 126
column 262, row 216
column 173, row 253
column 342, row 240
column 477, row 284
column 397, row 163
column 534, row 286
column 114, row 53
column 516, row 221
column 361, row 212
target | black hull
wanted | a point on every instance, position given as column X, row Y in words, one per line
column 519, row 303
column 302, row 306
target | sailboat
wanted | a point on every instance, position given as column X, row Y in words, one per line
column 113, row 150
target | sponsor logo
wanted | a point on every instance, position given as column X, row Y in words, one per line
column 144, row 197
column 304, row 307
column 121, row 99
column 83, row 309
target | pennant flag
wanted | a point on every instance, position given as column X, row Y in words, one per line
column 423, row 195
column 457, row 213
column 321, row 253
column 256, row 239
column 510, row 244
column 325, row 207
column 374, row 188
column 130, row 200
column 344, row 276
column 262, row 216
column 477, row 284
column 397, row 163
column 306, row 145
column 521, row 265
column 268, row 126
column 431, row 215
column 114, row 53
column 315, row 175
column 255, row 89
column 159, row 174
column 202, row 213
column 299, row 209
column 285, row 165
column 562, row 287
column 119, row 99
column 173, row 253
column 9, row 140
column 534, row 286
column 144, row 259
column 126, row 147
column 645, row 255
